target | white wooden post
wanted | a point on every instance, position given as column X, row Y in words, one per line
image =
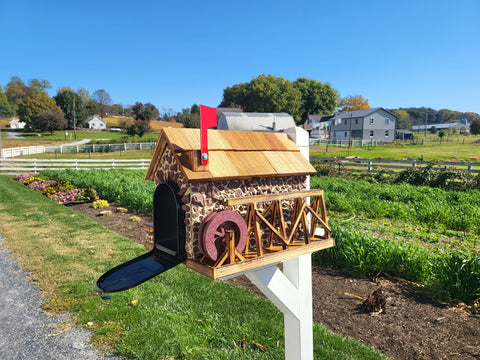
column 291, row 290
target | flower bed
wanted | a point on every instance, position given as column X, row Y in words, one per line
column 62, row 192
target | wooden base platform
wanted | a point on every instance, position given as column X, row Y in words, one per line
column 270, row 256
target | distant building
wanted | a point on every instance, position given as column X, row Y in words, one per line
column 276, row 122
column 404, row 135
column 16, row 124
column 318, row 126
column 96, row 123
column 462, row 125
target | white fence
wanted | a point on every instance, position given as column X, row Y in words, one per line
column 32, row 150
column 14, row 166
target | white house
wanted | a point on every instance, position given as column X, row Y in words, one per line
column 96, row 123
column 15, row 124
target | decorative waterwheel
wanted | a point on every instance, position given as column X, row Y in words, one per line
column 213, row 233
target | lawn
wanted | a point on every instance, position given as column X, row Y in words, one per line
column 459, row 148
column 180, row 314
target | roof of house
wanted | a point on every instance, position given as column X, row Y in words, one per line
column 255, row 121
column 95, row 118
column 360, row 113
column 232, row 155
column 220, row 111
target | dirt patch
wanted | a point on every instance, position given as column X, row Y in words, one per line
column 402, row 320
column 7, row 144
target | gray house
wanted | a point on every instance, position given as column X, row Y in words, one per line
column 371, row 124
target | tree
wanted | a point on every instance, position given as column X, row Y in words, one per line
column 265, row 94
column 316, row 98
column 475, row 127
column 5, row 107
column 403, row 119
column 195, row 109
column 146, row 112
column 118, row 109
column 65, row 99
column 137, row 127
column 37, row 85
column 50, row 120
column 103, row 101
column 151, row 112
column 29, row 110
column 441, row 134
column 352, row 103
column 16, row 92
column 433, row 130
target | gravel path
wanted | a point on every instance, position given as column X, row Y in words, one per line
column 24, row 328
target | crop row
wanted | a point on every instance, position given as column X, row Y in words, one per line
column 451, row 274
column 123, row 187
column 433, row 207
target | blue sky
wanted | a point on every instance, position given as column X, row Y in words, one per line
column 177, row 53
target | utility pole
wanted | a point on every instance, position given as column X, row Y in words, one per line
column 74, row 122
column 426, row 122
column 350, row 133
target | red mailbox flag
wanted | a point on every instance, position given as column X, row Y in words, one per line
column 208, row 118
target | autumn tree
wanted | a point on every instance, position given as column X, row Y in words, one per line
column 33, row 105
column 16, row 92
column 103, row 101
column 403, row 119
column 5, row 107
column 352, row 103
column 51, row 120
column 316, row 98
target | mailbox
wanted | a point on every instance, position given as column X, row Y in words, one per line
column 248, row 207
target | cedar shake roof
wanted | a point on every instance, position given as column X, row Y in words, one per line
column 232, row 155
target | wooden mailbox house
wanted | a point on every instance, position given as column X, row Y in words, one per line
column 248, row 207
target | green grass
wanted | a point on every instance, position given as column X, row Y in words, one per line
column 180, row 314
column 459, row 148
column 129, row 154
column 94, row 135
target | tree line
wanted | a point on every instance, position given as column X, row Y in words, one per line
column 68, row 108
column 265, row 93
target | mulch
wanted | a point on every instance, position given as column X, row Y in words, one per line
column 401, row 320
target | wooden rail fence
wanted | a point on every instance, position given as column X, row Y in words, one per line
column 15, row 166
column 371, row 164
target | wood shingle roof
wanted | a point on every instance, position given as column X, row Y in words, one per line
column 232, row 155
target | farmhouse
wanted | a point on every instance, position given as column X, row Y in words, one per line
column 255, row 121
column 16, row 124
column 96, row 123
column 371, row 124
column 241, row 165
column 375, row 124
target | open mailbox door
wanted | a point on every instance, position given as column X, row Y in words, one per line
column 168, row 250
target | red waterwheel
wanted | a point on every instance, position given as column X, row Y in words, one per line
column 211, row 235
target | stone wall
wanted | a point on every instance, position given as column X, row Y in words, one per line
column 199, row 199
